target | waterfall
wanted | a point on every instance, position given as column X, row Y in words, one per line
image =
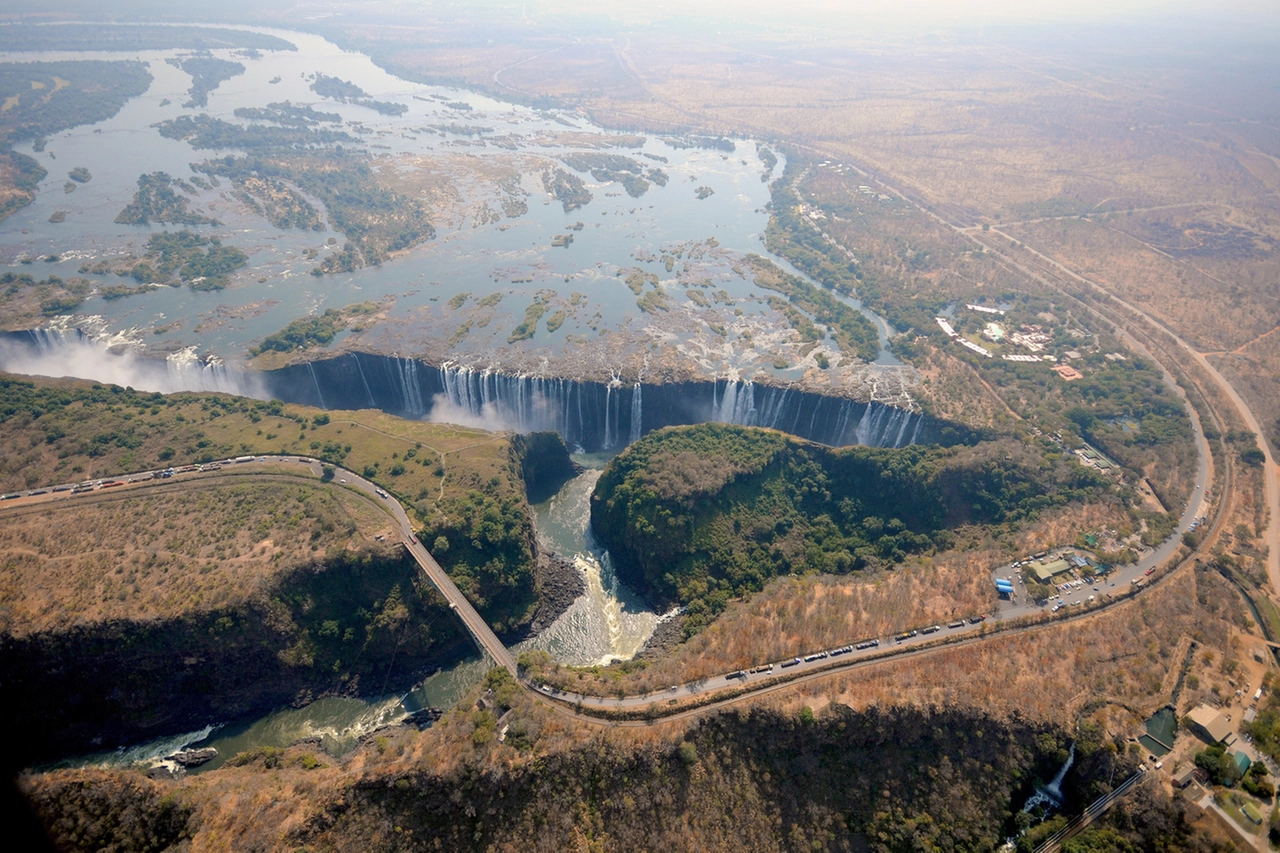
column 737, row 405
column 1051, row 794
column 1055, row 787
column 367, row 390
column 588, row 415
column 866, row 426
column 409, row 386
column 609, row 438
column 316, row 382
column 635, row 414
column 189, row 371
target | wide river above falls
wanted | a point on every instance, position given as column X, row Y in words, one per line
column 477, row 166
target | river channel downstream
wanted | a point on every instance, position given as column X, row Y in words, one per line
column 608, row 622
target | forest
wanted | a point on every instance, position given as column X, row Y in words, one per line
column 207, row 73
column 202, row 263
column 853, row 333
column 133, row 37
column 50, row 97
column 317, row 330
column 156, row 201
column 701, row 515
column 378, row 221
column 349, row 93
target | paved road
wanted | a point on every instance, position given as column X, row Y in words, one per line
column 967, row 629
column 484, row 637
column 1271, row 474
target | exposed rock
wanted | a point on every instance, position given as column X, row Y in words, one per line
column 666, row 635
column 163, row 770
column 559, row 584
column 194, row 757
column 424, row 718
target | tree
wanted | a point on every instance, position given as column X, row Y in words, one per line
column 326, row 473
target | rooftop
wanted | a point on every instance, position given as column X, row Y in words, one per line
column 1044, row 571
column 1213, row 723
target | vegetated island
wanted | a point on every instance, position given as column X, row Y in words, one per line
column 133, row 37
column 701, row 515
column 156, row 201
column 349, row 93
column 207, row 73
column 184, row 257
column 43, row 98
column 236, row 593
column 377, row 220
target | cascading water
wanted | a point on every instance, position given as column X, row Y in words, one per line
column 592, row 416
column 117, row 358
column 1050, row 795
column 409, row 384
column 316, row 382
column 367, row 390
column 636, row 414
column 609, row 438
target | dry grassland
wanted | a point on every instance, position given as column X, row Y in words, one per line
column 1254, row 370
column 91, row 439
column 1209, row 314
column 953, row 389
column 1123, row 657
column 798, row 615
column 168, row 550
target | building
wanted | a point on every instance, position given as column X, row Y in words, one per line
column 1242, row 762
column 1250, row 714
column 1043, row 572
column 1185, row 776
column 1210, row 726
column 1067, row 372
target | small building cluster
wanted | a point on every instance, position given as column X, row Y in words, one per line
column 950, row 332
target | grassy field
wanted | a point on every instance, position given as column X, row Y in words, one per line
column 163, row 551
column 67, row 431
column 462, row 487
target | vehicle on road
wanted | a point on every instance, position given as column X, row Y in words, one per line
column 791, row 662
column 959, row 623
column 381, row 493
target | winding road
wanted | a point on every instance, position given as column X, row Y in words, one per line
column 1120, row 585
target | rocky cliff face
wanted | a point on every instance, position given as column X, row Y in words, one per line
column 597, row 415
column 315, row 630
column 891, row 779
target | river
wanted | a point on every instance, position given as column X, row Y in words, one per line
column 608, row 622
column 476, row 163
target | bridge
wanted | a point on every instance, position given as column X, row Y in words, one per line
column 1095, row 810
